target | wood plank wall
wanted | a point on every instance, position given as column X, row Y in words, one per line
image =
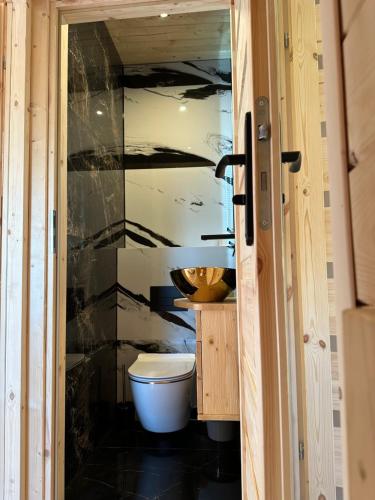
column 14, row 272
column 359, row 74
column 358, row 55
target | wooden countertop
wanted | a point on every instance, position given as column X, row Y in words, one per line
column 226, row 305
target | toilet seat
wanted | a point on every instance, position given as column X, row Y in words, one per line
column 162, row 368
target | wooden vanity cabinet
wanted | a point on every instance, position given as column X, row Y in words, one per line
column 216, row 359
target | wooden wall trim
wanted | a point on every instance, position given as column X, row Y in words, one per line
column 52, row 338
column 278, row 264
column 3, row 44
column 36, row 380
column 81, row 11
column 359, row 340
column 14, row 273
column 337, row 158
column 296, row 375
column 339, row 187
column 62, row 231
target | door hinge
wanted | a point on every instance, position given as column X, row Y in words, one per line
column 54, row 228
column 286, row 40
column 301, row 450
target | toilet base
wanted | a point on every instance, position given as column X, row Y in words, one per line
column 164, row 407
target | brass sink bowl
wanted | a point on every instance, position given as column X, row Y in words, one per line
column 205, row 284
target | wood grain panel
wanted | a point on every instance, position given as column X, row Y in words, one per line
column 219, row 363
column 226, row 305
column 251, row 407
column 297, row 400
column 62, row 232
column 266, row 470
column 38, row 248
column 82, row 11
column 3, row 45
column 14, row 273
column 359, row 63
column 362, row 182
column 359, row 349
column 359, row 72
column 199, row 373
column 311, row 261
column 349, row 11
column 182, row 37
column 52, row 339
column 339, row 194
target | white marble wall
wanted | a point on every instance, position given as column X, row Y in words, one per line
column 170, row 125
column 178, row 124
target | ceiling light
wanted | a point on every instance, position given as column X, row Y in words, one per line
column 164, row 14
column 99, row 112
column 182, row 107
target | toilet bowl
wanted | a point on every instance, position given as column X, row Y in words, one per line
column 161, row 386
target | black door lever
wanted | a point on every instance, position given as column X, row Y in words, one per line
column 245, row 199
column 226, row 161
column 294, row 158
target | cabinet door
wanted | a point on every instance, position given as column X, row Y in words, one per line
column 220, row 378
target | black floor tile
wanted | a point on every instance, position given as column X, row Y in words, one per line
column 135, row 464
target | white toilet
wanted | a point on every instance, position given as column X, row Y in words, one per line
column 161, row 386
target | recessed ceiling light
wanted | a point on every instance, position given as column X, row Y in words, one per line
column 98, row 112
column 182, row 107
column 164, row 14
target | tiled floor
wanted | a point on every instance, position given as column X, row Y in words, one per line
column 135, row 464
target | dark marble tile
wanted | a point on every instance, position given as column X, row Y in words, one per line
column 185, row 465
column 89, row 406
column 194, row 437
column 95, row 203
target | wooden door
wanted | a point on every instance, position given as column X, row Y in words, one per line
column 262, row 354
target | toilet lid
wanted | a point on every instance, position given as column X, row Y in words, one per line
column 162, row 366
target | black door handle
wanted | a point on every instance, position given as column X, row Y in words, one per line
column 294, row 158
column 225, row 236
column 246, row 160
column 226, row 161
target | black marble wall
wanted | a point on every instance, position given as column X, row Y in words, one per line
column 95, row 207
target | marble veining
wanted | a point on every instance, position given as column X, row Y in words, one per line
column 95, row 201
column 184, row 108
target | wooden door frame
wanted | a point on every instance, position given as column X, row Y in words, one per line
column 31, row 340
column 339, row 188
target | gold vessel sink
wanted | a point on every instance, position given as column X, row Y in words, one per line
column 205, row 284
